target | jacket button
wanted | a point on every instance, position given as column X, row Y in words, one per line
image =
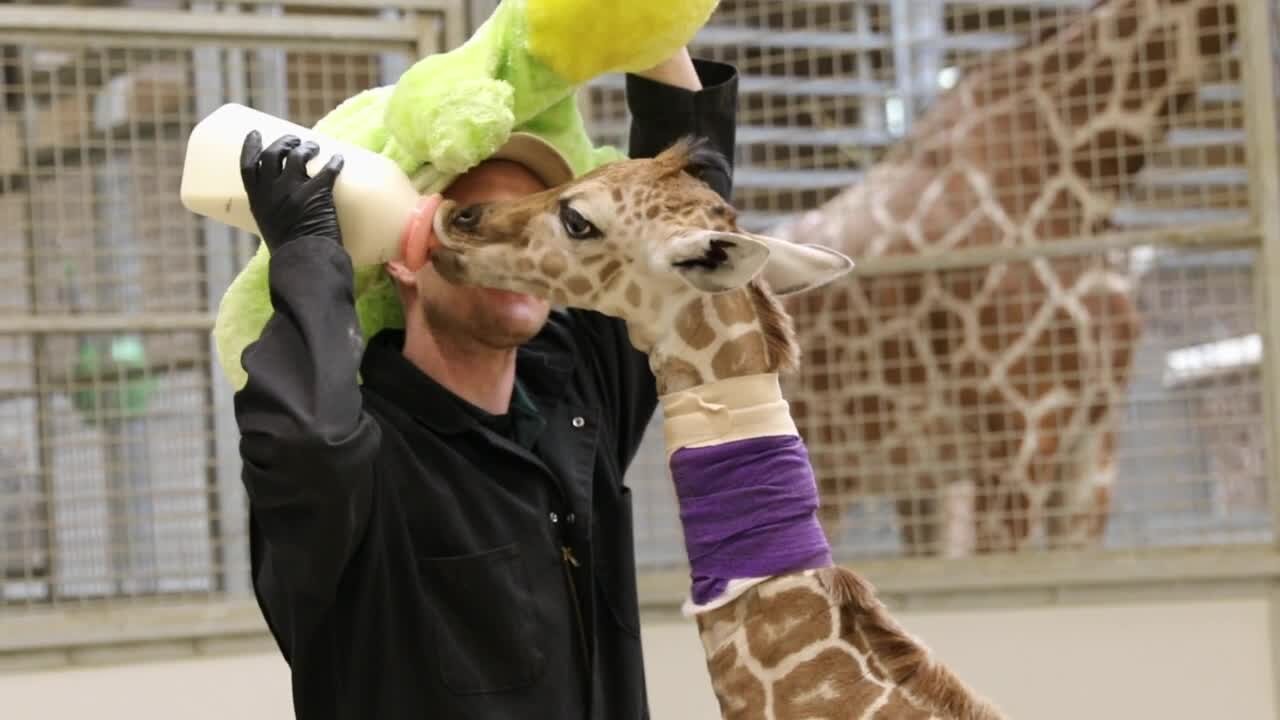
column 555, row 518
column 579, row 422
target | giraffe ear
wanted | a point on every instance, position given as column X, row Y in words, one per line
column 715, row 262
column 795, row 268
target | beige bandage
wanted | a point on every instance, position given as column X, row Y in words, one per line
column 726, row 410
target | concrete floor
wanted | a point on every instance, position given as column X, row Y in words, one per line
column 1176, row 661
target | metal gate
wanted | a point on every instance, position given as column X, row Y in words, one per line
column 120, row 494
column 121, row 512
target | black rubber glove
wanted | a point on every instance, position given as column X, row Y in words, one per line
column 285, row 202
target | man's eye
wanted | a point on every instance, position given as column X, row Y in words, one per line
column 577, row 227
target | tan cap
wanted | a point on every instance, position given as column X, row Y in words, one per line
column 541, row 157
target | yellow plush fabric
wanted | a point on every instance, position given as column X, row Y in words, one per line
column 582, row 39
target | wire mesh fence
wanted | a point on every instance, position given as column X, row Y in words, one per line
column 118, row 472
column 1052, row 340
column 1027, row 359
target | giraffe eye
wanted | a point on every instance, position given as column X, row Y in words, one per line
column 576, row 226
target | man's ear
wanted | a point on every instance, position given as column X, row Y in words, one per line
column 713, row 261
column 794, row 268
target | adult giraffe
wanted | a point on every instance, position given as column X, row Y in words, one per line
column 983, row 400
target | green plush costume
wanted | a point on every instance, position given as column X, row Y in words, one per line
column 450, row 111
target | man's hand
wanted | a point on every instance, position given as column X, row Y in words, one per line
column 285, row 202
column 676, row 70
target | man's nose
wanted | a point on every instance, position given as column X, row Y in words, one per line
column 468, row 218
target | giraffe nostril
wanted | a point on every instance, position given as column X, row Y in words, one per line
column 468, row 217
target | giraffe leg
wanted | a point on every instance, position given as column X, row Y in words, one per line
column 959, row 537
column 1098, row 511
column 1079, row 506
column 831, row 510
column 834, row 491
column 920, row 524
column 826, row 443
column 1101, row 510
column 1002, row 510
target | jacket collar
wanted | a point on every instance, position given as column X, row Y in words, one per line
column 543, row 367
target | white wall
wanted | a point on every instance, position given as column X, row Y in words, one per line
column 1180, row 661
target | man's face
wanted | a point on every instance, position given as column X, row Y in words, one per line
column 493, row 318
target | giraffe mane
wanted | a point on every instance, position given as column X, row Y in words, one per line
column 779, row 330
column 898, row 655
column 692, row 155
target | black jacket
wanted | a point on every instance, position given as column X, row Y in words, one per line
column 417, row 559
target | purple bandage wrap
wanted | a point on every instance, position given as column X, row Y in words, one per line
column 749, row 509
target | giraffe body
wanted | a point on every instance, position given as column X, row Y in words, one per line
column 788, row 635
column 998, row 385
column 819, row 644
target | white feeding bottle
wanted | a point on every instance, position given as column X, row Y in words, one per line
column 375, row 200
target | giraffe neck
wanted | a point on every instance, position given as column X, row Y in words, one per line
column 746, row 490
column 821, row 645
column 712, row 338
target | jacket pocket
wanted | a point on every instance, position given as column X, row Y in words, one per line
column 616, row 571
column 485, row 639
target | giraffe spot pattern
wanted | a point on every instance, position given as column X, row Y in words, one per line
column 831, row 686
column 554, row 263
column 741, row 694
column 1091, row 92
column 676, row 374
column 539, row 286
column 733, row 308
column 1150, row 69
column 609, row 269
column 709, row 620
column 692, row 326
column 850, row 633
column 578, row 285
column 745, row 354
column 836, row 674
column 786, row 623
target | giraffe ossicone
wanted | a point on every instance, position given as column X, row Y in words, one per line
column 787, row 634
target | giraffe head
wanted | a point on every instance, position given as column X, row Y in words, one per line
column 648, row 242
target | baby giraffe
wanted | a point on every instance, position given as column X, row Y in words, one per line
column 787, row 634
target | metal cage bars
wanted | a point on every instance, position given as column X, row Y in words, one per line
column 216, row 41
column 1037, row 577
